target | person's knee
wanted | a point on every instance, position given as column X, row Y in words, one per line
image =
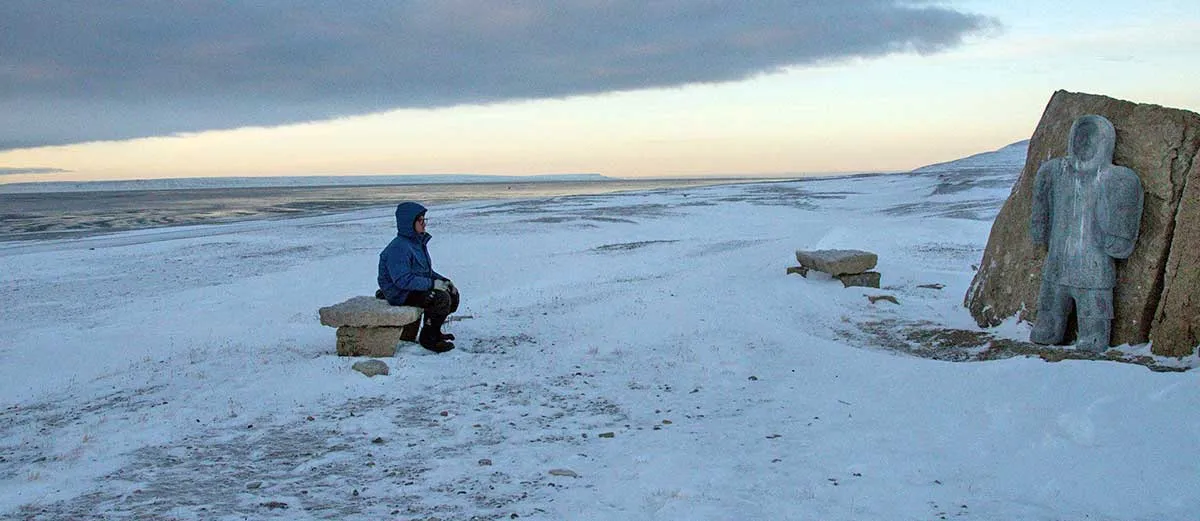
column 439, row 303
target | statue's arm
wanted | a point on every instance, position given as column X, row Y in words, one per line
column 1119, row 210
column 1039, row 220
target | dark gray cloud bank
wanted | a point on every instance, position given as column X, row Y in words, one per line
column 33, row 170
column 82, row 70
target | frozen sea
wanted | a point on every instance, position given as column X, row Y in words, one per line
column 31, row 211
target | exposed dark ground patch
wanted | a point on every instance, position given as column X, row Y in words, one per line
column 930, row 340
column 976, row 210
column 789, row 194
column 952, row 186
column 954, row 256
column 953, row 178
column 581, row 209
column 626, row 246
column 967, row 178
column 499, row 344
column 948, row 250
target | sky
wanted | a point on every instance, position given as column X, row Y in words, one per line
column 132, row 90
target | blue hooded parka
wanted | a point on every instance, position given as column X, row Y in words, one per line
column 404, row 265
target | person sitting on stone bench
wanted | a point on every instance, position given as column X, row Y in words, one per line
column 406, row 278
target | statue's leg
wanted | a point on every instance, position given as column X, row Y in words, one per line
column 1054, row 304
column 1095, row 319
column 1094, row 334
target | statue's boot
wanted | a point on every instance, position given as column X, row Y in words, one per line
column 1094, row 334
column 1047, row 330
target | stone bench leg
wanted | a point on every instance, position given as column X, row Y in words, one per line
column 868, row 279
column 369, row 341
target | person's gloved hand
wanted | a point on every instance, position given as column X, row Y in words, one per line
column 441, row 285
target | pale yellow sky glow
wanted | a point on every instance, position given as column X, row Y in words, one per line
column 892, row 113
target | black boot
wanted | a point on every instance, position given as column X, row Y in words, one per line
column 431, row 335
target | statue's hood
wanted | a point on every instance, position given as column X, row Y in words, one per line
column 1092, row 141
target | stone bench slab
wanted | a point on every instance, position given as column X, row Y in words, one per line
column 368, row 312
column 837, row 262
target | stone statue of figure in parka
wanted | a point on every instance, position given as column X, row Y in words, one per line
column 1086, row 212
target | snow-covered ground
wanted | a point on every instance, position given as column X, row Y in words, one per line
column 627, row 356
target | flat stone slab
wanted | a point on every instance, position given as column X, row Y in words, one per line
column 837, row 262
column 368, row 312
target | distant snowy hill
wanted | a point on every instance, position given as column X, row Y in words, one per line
column 283, row 182
column 1005, row 157
column 991, row 173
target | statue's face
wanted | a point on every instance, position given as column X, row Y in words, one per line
column 1085, row 141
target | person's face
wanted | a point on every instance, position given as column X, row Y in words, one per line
column 419, row 224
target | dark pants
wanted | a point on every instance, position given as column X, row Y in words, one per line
column 434, row 302
column 437, row 305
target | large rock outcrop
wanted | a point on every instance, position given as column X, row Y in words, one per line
column 1156, row 297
